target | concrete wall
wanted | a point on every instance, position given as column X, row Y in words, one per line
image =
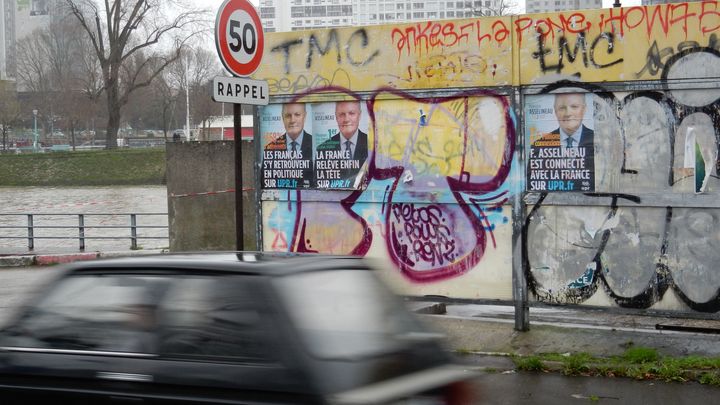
column 446, row 206
column 201, row 196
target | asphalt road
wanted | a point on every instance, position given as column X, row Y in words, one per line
column 553, row 388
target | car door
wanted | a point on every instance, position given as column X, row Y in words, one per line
column 88, row 339
column 219, row 343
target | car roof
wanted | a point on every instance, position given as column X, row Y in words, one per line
column 253, row 263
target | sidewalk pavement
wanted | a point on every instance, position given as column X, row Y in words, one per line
column 46, row 259
column 488, row 331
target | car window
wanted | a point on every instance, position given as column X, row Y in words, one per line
column 93, row 312
column 345, row 313
column 212, row 318
column 174, row 315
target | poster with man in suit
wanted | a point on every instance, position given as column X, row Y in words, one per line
column 287, row 160
column 561, row 137
column 341, row 159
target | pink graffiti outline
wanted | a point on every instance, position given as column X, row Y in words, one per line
column 456, row 185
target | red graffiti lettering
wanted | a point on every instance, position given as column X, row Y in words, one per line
column 612, row 20
column 522, row 24
column 482, row 36
column 709, row 13
column 663, row 18
column 574, row 24
column 421, row 35
column 501, row 31
column 637, row 13
column 434, row 36
column 424, row 37
column 622, row 20
column 448, row 31
column 402, row 42
column 683, row 16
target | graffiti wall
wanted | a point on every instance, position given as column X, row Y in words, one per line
column 427, row 55
column 432, row 203
column 584, row 144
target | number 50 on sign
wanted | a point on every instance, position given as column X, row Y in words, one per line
column 239, row 37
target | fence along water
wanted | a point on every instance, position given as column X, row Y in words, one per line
column 102, row 226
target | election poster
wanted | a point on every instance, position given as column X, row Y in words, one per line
column 341, row 130
column 287, row 146
column 560, row 133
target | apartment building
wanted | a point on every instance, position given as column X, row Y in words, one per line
column 547, row 6
column 293, row 15
column 7, row 39
column 18, row 19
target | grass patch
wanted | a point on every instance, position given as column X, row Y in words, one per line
column 577, row 364
column 639, row 363
column 710, row 378
column 640, row 355
column 530, row 363
column 84, row 168
column 463, row 352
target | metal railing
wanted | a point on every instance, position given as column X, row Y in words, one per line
column 109, row 231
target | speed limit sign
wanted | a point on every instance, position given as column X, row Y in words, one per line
column 239, row 37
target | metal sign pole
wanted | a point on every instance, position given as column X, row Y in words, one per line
column 241, row 57
column 237, row 131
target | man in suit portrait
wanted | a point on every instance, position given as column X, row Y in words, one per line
column 350, row 139
column 295, row 139
column 569, row 111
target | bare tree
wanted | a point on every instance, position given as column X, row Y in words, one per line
column 9, row 110
column 57, row 73
column 192, row 73
column 165, row 96
column 204, row 66
column 120, row 29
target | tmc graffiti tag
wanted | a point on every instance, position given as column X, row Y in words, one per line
column 331, row 46
column 588, row 54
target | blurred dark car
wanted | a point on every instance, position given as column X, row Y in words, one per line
column 240, row 328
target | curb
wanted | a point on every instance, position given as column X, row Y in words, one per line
column 61, row 258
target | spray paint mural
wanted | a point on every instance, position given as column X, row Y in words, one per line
column 447, row 159
column 432, row 200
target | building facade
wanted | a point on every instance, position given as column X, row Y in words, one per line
column 19, row 18
column 549, row 6
column 654, row 2
column 294, row 15
column 7, row 39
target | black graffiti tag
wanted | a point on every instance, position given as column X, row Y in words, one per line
column 580, row 49
column 656, row 58
column 331, row 45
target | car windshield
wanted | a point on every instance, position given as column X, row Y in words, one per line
column 346, row 314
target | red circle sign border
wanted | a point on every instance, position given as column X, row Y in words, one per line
column 223, row 49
